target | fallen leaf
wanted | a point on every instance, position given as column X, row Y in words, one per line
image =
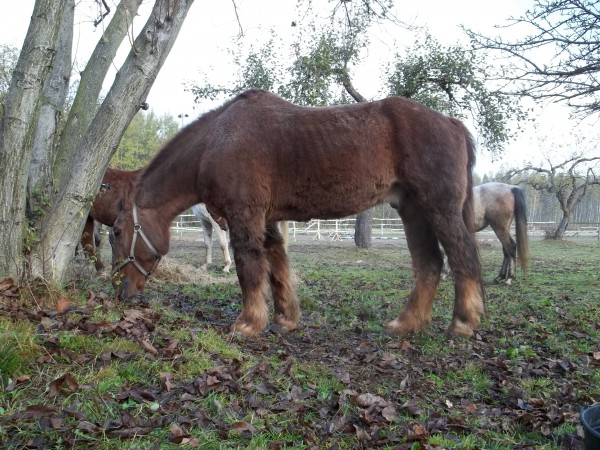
column 389, row 413
column 67, row 381
column 62, row 305
column 367, row 400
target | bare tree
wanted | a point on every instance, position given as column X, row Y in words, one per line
column 43, row 205
column 558, row 58
column 569, row 181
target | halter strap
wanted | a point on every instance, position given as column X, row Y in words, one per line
column 137, row 229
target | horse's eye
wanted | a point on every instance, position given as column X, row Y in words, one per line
column 117, row 232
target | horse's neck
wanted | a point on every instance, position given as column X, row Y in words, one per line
column 166, row 206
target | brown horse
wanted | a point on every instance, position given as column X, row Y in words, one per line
column 105, row 208
column 259, row 159
column 496, row 204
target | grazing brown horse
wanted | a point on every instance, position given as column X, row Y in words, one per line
column 105, row 208
column 259, row 159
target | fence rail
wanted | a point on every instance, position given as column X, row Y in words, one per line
column 390, row 228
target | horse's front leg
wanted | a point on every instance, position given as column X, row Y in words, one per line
column 427, row 265
column 285, row 301
column 252, row 269
column 88, row 243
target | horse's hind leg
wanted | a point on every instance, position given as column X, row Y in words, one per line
column 222, row 237
column 252, row 266
column 509, row 249
column 286, row 306
column 463, row 257
column 427, row 265
column 207, row 230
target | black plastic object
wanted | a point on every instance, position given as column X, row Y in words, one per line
column 590, row 419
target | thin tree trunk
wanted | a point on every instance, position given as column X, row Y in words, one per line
column 39, row 184
column 363, row 229
column 85, row 105
column 562, row 226
column 64, row 224
column 17, row 129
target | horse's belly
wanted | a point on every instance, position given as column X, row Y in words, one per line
column 330, row 203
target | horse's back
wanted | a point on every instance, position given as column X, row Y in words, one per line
column 325, row 162
column 493, row 204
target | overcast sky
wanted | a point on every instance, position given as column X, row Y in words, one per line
column 210, row 27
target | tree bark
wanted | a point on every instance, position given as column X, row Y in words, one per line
column 86, row 104
column 562, row 226
column 64, row 223
column 18, row 126
column 363, row 229
column 56, row 88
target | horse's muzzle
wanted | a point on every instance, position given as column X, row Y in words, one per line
column 123, row 288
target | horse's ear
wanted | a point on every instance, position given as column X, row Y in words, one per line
column 127, row 196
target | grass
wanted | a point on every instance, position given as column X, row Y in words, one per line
column 144, row 375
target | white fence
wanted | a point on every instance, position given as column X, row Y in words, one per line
column 391, row 228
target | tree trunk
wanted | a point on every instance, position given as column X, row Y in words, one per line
column 63, row 224
column 56, row 88
column 86, row 104
column 562, row 226
column 17, row 130
column 364, row 229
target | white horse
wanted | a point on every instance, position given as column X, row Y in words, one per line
column 208, row 226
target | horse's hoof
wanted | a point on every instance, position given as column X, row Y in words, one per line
column 285, row 324
column 401, row 327
column 226, row 270
column 245, row 329
column 460, row 328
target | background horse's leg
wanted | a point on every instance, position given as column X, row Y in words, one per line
column 207, row 230
column 97, row 242
column 252, row 267
column 509, row 249
column 285, row 233
column 87, row 243
column 224, row 244
column 286, row 306
column 460, row 247
column 427, row 265
column 445, row 266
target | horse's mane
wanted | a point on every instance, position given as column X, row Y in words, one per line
column 191, row 131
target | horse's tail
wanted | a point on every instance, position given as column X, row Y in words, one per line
column 521, row 228
column 468, row 208
column 468, row 212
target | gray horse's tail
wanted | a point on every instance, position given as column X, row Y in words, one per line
column 521, row 228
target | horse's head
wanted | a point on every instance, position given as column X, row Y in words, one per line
column 134, row 247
